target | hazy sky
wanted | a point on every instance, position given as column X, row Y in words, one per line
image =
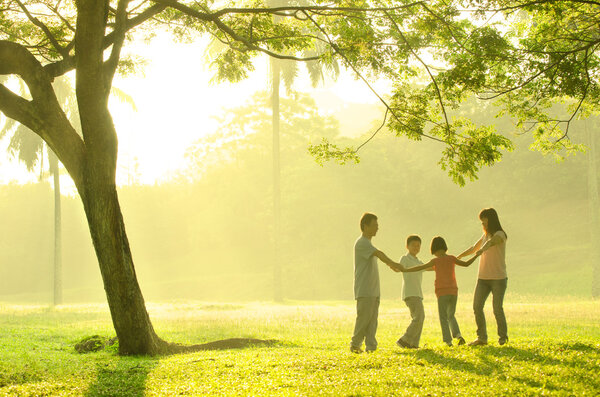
column 175, row 100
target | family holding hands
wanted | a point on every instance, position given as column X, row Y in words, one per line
column 492, row 278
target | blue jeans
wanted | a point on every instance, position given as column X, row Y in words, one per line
column 482, row 291
column 367, row 311
column 446, row 310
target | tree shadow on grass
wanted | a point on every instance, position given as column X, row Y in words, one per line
column 581, row 358
column 126, row 377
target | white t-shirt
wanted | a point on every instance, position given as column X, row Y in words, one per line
column 412, row 280
column 492, row 262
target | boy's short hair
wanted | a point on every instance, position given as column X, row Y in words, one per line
column 366, row 219
column 412, row 237
column 437, row 244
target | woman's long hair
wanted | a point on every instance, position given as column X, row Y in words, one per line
column 493, row 222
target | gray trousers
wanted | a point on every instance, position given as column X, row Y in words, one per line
column 446, row 310
column 412, row 336
column 367, row 310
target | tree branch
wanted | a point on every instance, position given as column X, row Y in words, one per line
column 119, row 33
column 43, row 114
column 214, row 18
column 433, row 80
column 360, row 76
column 61, row 67
column 45, row 29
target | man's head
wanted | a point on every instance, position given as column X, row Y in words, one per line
column 368, row 224
column 413, row 244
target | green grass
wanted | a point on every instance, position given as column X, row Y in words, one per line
column 554, row 350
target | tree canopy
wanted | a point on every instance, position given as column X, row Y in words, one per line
column 529, row 54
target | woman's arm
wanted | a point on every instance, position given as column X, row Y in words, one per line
column 472, row 249
column 417, row 268
column 495, row 240
column 466, row 263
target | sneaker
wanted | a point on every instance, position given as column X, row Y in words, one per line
column 355, row 349
column 461, row 341
column 403, row 344
column 503, row 340
column 370, row 351
column 449, row 344
column 478, row 342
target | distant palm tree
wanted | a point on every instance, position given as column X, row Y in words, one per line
column 28, row 147
column 287, row 69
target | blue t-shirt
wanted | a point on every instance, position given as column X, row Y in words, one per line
column 366, row 273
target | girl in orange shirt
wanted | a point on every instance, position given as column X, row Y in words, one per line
column 446, row 288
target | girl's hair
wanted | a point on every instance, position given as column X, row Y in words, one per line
column 493, row 222
column 437, row 244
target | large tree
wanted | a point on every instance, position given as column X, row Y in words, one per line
column 44, row 39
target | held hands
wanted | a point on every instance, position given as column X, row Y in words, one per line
column 470, row 261
column 396, row 267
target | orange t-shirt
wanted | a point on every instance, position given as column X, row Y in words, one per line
column 445, row 279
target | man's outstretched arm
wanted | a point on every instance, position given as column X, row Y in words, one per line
column 384, row 258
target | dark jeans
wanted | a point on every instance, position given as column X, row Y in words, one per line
column 367, row 311
column 446, row 310
column 482, row 291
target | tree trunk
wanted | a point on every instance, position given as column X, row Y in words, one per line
column 277, row 288
column 127, row 307
column 594, row 212
column 53, row 162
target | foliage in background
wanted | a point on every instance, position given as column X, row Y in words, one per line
column 197, row 237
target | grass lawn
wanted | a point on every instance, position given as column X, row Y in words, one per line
column 554, row 349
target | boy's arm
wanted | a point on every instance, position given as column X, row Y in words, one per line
column 384, row 258
column 420, row 267
column 466, row 263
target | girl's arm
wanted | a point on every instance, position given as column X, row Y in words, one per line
column 466, row 263
column 495, row 240
column 421, row 267
column 472, row 249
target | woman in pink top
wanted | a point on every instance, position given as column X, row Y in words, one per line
column 492, row 275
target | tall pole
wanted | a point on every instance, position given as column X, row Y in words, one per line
column 53, row 162
column 594, row 206
column 277, row 289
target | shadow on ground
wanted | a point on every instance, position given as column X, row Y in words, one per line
column 126, row 377
column 579, row 358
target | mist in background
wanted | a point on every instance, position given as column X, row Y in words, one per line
column 207, row 232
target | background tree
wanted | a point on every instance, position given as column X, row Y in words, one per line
column 288, row 69
column 30, row 149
